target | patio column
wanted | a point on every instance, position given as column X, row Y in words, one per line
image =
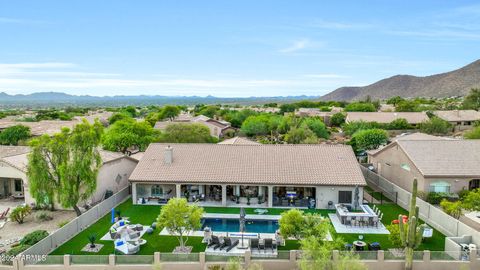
column 224, row 195
column 201, row 189
column 317, row 198
column 260, row 190
column 270, row 196
column 178, row 189
column 237, row 190
column 134, row 193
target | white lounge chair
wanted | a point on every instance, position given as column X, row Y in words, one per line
column 126, row 247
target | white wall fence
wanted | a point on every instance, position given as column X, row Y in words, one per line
column 432, row 215
column 57, row 238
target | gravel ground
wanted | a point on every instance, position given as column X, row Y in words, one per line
column 12, row 230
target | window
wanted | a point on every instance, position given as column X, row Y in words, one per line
column 405, row 166
column 440, row 186
column 18, row 185
column 474, row 184
column 344, row 197
column 157, row 190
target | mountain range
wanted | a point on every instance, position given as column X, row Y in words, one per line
column 59, row 99
column 454, row 83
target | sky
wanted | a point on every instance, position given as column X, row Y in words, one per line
column 228, row 48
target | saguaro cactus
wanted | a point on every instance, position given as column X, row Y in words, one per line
column 412, row 233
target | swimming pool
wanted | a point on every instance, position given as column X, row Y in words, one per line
column 233, row 225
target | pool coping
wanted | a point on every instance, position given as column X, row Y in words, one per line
column 237, row 216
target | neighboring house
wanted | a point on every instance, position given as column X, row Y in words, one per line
column 113, row 174
column 460, row 119
column 314, row 112
column 239, row 140
column 51, row 127
column 413, row 118
column 317, row 175
column 218, row 128
column 440, row 164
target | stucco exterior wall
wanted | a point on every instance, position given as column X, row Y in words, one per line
column 324, row 194
column 113, row 176
column 390, row 163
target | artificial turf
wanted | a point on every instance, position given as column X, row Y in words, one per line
column 147, row 214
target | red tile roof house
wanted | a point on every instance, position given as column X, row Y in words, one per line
column 263, row 175
column 439, row 164
column 113, row 174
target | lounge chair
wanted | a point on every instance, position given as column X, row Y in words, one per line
column 126, row 247
column 4, row 214
column 270, row 244
column 214, row 242
column 254, row 244
column 228, row 244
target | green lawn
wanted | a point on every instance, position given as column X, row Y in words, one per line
column 147, row 214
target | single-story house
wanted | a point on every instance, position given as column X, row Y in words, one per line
column 314, row 112
column 113, row 174
column 413, row 118
column 440, row 164
column 218, row 128
column 460, row 119
column 317, row 175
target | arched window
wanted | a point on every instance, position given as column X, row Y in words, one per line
column 157, row 190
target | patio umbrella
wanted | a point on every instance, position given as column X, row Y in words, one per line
column 242, row 221
column 356, row 198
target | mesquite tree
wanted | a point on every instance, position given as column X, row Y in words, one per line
column 412, row 234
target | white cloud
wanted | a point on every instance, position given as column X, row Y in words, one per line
column 297, row 46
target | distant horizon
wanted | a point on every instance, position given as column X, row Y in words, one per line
column 228, row 49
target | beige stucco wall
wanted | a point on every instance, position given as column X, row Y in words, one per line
column 324, row 194
column 108, row 173
column 395, row 157
column 388, row 164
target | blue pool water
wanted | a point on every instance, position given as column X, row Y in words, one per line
column 233, row 225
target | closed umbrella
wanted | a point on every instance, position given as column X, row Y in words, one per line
column 356, row 198
column 242, row 222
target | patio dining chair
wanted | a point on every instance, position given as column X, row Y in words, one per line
column 348, row 221
column 365, row 221
column 375, row 221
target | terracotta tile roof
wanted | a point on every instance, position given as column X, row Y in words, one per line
column 6, row 151
column 387, row 117
column 251, row 164
column 20, row 160
column 458, row 115
column 444, row 157
column 239, row 140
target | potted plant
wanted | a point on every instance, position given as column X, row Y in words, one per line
column 119, row 215
column 248, row 199
column 260, row 199
column 91, row 240
column 187, row 195
column 237, row 199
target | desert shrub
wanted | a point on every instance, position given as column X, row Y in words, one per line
column 62, row 223
column 17, row 250
column 33, row 237
column 20, row 212
column 394, row 235
column 454, row 209
column 44, row 216
column 437, row 197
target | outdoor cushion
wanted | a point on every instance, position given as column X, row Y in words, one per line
column 119, row 243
